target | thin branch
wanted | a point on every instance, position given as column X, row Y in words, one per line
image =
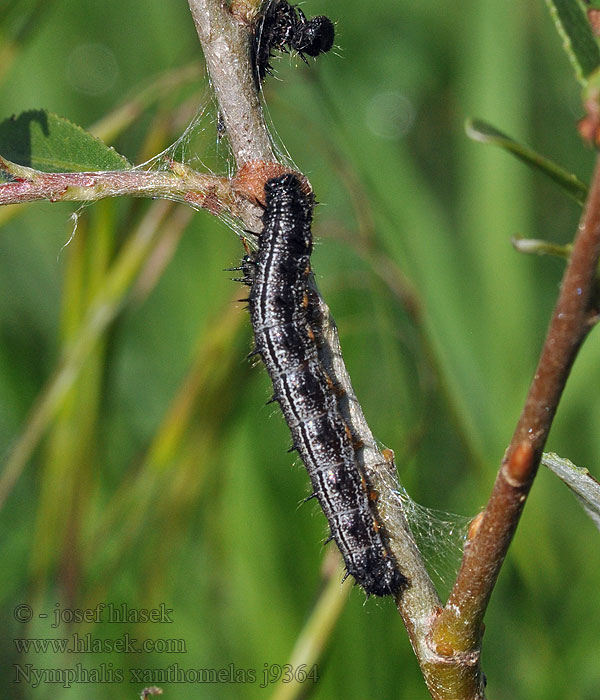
column 225, row 43
column 182, row 183
column 459, row 628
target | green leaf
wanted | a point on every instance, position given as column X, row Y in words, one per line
column 583, row 485
column 479, row 130
column 46, row 142
column 578, row 38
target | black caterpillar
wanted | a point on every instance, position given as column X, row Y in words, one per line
column 278, row 275
column 284, row 27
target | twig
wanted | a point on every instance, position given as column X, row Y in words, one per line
column 205, row 191
column 225, row 43
column 458, row 630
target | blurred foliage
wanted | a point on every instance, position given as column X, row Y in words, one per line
column 479, row 130
column 161, row 476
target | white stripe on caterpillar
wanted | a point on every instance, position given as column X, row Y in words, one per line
column 279, row 299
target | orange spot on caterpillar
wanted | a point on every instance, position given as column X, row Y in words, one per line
column 388, row 455
column 282, row 334
column 339, row 390
column 328, row 379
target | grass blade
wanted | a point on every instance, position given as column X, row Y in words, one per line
column 479, row 130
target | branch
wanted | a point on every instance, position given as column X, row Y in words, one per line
column 419, row 602
column 225, row 37
column 225, row 42
column 205, row 191
column 459, row 628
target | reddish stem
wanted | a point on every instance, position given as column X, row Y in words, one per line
column 461, row 622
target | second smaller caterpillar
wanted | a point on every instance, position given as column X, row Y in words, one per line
column 283, row 25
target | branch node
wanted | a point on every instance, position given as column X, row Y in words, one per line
column 474, row 526
column 520, row 465
column 444, row 653
column 249, row 181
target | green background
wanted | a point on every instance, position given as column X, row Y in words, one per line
column 164, row 478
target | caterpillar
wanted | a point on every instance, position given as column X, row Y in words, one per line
column 286, row 25
column 278, row 275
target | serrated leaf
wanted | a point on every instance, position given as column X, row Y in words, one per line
column 52, row 144
column 480, row 130
column 578, row 39
column 585, row 488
